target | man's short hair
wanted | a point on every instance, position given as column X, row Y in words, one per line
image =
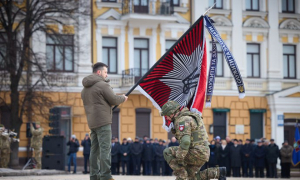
column 99, row 66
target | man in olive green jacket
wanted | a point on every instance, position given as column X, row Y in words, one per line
column 98, row 99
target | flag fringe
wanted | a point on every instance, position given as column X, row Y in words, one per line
column 207, row 104
column 242, row 95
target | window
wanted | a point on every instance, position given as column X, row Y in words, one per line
column 109, row 54
column 252, row 5
column 141, row 6
column 253, row 60
column 141, row 56
column 169, row 44
column 220, row 60
column 256, row 125
column 289, row 61
column 143, row 122
column 219, row 4
column 176, row 2
column 109, row 0
column 288, row 6
column 60, row 53
column 115, row 123
column 3, row 40
column 219, row 124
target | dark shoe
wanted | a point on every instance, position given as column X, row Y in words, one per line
column 222, row 173
column 84, row 172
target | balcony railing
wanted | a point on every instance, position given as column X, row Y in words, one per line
column 146, row 7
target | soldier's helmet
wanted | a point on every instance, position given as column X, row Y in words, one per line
column 169, row 108
column 37, row 122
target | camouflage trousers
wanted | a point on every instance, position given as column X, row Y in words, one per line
column 37, row 156
column 4, row 157
column 193, row 161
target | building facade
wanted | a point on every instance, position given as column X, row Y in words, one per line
column 131, row 35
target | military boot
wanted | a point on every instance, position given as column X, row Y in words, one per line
column 222, row 173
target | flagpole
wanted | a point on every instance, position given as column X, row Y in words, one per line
column 145, row 75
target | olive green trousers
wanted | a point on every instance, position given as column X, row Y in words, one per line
column 100, row 157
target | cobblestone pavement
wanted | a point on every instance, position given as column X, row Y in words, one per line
column 86, row 177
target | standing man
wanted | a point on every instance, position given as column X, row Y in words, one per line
column 193, row 151
column 115, row 149
column 159, row 154
column 246, row 158
column 272, row 156
column 286, row 153
column 125, row 151
column 235, row 159
column 74, row 146
column 147, row 156
column 36, row 143
column 86, row 143
column 98, row 99
column 136, row 150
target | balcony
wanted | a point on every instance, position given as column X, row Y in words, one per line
column 139, row 11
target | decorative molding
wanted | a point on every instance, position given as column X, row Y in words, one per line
column 289, row 15
column 256, row 22
column 181, row 19
column 101, row 4
column 110, row 13
column 224, row 12
column 221, row 21
column 255, row 14
column 290, row 24
column 181, row 9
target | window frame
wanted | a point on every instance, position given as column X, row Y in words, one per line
column 5, row 43
column 63, row 54
column 259, row 53
column 172, row 45
column 218, row 52
column 177, row 5
column 108, row 60
column 288, row 62
column 140, row 50
column 287, row 5
column 109, row 1
column 251, row 4
column 215, row 7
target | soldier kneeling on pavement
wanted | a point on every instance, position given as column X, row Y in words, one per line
column 193, row 150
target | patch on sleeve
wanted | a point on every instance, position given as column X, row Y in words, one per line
column 181, row 126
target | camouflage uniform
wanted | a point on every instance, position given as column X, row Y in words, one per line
column 36, row 143
column 193, row 151
column 4, row 147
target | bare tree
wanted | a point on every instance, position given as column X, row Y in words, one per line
column 22, row 69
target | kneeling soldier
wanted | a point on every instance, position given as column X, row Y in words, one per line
column 193, row 151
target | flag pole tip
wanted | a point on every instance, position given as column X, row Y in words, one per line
column 207, row 104
column 242, row 95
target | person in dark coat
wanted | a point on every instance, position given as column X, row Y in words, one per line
column 259, row 155
column 136, row 150
column 115, row 149
column 119, row 155
column 147, row 156
column 86, row 143
column 74, row 146
column 213, row 161
column 160, row 160
column 155, row 143
column 272, row 156
column 236, row 159
column 218, row 141
column 246, row 159
column 286, row 153
column 125, row 152
column 266, row 145
column 224, row 157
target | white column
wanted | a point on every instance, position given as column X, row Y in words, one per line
column 162, row 41
column 298, row 60
column 263, row 58
column 131, row 46
column 199, row 7
column 121, row 53
column 153, row 6
column 153, row 41
column 275, row 69
column 99, row 44
column 237, row 36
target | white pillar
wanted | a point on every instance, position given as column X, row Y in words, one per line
column 121, row 53
column 237, row 36
column 131, row 46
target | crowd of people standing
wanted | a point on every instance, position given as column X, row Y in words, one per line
column 242, row 159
